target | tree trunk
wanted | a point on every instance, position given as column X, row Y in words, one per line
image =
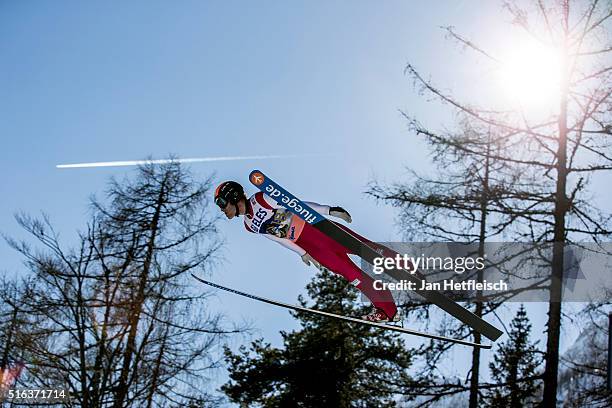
column 130, row 348
column 561, row 207
column 475, row 370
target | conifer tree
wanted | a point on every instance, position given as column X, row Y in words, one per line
column 327, row 363
column 515, row 367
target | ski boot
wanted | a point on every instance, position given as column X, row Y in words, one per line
column 377, row 315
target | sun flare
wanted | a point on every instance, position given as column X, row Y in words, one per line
column 531, row 76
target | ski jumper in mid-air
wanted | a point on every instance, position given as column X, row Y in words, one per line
column 263, row 215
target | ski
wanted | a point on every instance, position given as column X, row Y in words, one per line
column 302, row 210
column 345, row 318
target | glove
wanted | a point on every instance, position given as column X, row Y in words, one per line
column 308, row 259
column 341, row 213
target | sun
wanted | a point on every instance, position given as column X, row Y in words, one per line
column 531, row 76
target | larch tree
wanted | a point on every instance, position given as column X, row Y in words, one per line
column 561, row 149
column 459, row 204
column 116, row 321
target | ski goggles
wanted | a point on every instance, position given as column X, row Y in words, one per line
column 221, row 202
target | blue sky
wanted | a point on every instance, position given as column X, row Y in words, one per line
column 101, row 81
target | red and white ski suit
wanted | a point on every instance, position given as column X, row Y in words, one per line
column 265, row 216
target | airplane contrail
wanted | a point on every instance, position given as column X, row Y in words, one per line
column 163, row 161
